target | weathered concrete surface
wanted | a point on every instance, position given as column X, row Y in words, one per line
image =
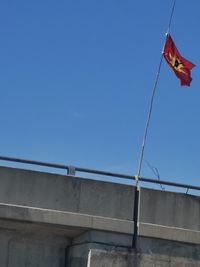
column 64, row 219
column 80, row 255
column 50, row 220
column 117, row 258
column 168, row 248
column 44, row 216
column 168, row 215
column 66, row 193
column 149, row 252
column 164, row 253
column 113, row 258
column 104, row 237
column 22, row 249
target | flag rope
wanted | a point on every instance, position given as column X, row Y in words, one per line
column 151, row 103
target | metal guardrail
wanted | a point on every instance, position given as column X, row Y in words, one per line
column 71, row 170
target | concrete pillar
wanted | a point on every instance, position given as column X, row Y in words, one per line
column 22, row 249
column 82, row 247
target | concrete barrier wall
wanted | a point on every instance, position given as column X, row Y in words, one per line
column 55, row 220
column 66, row 193
column 162, row 214
column 168, row 215
column 42, row 213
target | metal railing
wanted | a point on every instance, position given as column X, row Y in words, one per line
column 71, row 170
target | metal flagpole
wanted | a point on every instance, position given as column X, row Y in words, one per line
column 137, row 177
column 151, row 102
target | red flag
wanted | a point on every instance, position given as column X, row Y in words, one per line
column 179, row 65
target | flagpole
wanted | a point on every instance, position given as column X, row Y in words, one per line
column 136, row 198
column 148, row 120
column 152, row 101
column 171, row 17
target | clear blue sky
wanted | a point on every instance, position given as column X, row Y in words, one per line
column 76, row 80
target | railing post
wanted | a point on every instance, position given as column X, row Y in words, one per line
column 71, row 170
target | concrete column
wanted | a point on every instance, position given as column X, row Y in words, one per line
column 82, row 247
column 22, row 249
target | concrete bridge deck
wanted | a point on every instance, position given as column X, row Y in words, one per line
column 60, row 220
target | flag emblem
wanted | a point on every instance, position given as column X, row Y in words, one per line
column 177, row 63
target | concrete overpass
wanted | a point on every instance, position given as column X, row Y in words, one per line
column 51, row 220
